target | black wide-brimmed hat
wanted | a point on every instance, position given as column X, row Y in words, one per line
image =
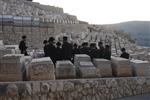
column 51, row 39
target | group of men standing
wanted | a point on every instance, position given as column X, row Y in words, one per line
column 66, row 50
column 56, row 51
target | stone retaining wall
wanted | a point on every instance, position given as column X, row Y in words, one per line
column 83, row 89
column 11, row 34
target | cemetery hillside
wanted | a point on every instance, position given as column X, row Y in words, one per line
column 46, row 54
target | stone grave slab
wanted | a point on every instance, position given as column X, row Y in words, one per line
column 15, row 48
column 2, row 44
column 79, row 58
column 10, row 67
column 134, row 56
column 65, row 69
column 121, row 67
column 88, row 70
column 140, row 68
column 104, row 67
column 148, row 56
column 141, row 56
column 25, row 62
column 41, row 69
column 5, row 51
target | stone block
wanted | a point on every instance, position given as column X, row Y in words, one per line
column 140, row 67
column 104, row 67
column 27, row 29
column 25, row 62
column 39, row 54
column 51, row 30
column 41, row 69
column 1, row 29
column 88, row 70
column 5, row 51
column 8, row 29
column 10, row 67
column 141, row 56
column 35, row 30
column 81, row 57
column 18, row 29
column 65, row 69
column 2, row 45
column 148, row 56
column 134, row 56
column 15, row 48
column 121, row 67
column 43, row 30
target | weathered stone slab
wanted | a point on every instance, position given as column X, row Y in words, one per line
column 10, row 67
column 38, row 54
column 88, row 70
column 134, row 56
column 104, row 67
column 2, row 44
column 121, row 67
column 1, row 28
column 5, row 51
column 141, row 56
column 18, row 29
column 15, row 48
column 140, row 67
column 8, row 29
column 25, row 62
column 79, row 58
column 148, row 56
column 27, row 29
column 65, row 69
column 41, row 69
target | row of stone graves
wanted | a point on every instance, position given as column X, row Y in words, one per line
column 16, row 67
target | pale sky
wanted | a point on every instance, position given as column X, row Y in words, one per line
column 104, row 11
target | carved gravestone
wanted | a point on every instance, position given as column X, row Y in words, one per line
column 140, row 68
column 80, row 58
column 10, row 67
column 121, row 67
column 65, row 69
column 104, row 67
column 88, row 70
column 41, row 69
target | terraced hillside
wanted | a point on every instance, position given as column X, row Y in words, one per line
column 39, row 22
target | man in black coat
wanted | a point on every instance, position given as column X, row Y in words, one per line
column 85, row 49
column 51, row 49
column 124, row 54
column 107, row 52
column 58, row 51
column 66, row 49
column 45, row 42
column 22, row 46
column 75, row 49
column 100, row 51
column 93, row 51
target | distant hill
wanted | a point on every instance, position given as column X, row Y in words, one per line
column 140, row 30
